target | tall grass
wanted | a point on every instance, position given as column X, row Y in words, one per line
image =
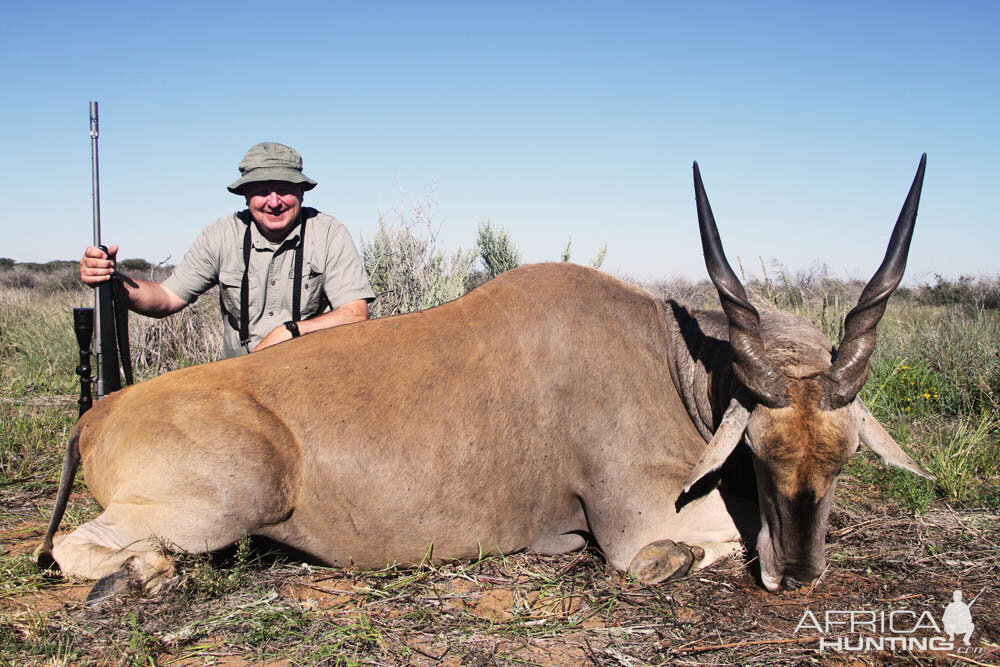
column 190, row 337
column 38, row 349
column 31, row 437
column 950, row 352
column 965, row 456
column 37, row 344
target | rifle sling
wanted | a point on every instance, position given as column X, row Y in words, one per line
column 112, row 305
column 119, row 301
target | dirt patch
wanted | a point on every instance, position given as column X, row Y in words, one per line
column 324, row 593
column 49, row 599
column 19, row 540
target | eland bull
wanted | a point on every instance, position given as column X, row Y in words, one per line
column 551, row 405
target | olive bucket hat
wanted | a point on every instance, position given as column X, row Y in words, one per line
column 270, row 161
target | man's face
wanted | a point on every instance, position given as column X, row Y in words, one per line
column 275, row 205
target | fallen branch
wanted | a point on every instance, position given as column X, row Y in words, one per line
column 573, row 563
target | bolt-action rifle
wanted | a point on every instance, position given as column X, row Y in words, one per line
column 107, row 333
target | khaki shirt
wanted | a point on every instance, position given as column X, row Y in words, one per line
column 332, row 274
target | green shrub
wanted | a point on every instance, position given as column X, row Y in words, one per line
column 496, row 249
column 134, row 266
column 598, row 260
column 46, row 278
column 55, row 266
column 408, row 272
column 966, row 291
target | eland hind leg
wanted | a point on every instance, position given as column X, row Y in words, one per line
column 141, row 538
column 179, row 495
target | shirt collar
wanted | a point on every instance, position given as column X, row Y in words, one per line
column 260, row 242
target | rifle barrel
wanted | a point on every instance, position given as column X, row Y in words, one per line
column 101, row 303
column 95, row 172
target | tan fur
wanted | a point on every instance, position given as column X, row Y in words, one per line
column 552, row 402
column 805, row 446
column 534, row 409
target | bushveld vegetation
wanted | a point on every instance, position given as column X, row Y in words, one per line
column 934, row 383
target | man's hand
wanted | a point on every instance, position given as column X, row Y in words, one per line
column 96, row 266
column 145, row 297
column 278, row 335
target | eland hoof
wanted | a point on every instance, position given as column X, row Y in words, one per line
column 664, row 560
column 42, row 555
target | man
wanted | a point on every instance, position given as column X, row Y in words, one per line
column 272, row 285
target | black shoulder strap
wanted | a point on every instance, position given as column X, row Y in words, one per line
column 297, row 278
column 245, row 291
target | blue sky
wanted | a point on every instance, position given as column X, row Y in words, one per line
column 554, row 120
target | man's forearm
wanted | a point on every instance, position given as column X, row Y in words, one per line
column 151, row 299
column 352, row 311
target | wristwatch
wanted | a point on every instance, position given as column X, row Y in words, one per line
column 293, row 327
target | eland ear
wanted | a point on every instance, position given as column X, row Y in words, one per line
column 873, row 434
column 729, row 434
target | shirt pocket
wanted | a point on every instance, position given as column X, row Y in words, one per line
column 313, row 295
column 230, row 283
